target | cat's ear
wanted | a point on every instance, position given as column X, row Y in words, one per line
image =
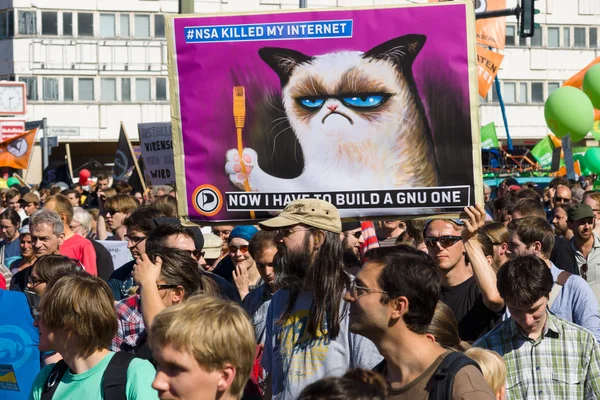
column 283, row 61
column 401, row 51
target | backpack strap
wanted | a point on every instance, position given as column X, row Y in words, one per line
column 561, row 280
column 114, row 380
column 442, row 380
column 56, row 375
column 563, row 277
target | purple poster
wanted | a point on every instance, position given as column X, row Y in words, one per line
column 373, row 110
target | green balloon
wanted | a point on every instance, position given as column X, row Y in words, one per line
column 591, row 85
column 569, row 110
column 592, row 160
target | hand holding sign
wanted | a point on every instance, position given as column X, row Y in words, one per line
column 474, row 223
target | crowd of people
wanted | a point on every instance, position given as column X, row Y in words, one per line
column 500, row 304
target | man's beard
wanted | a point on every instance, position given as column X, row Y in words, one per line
column 292, row 267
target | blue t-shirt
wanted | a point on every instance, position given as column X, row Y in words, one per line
column 19, row 355
column 12, row 251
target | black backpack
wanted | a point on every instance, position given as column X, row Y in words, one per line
column 114, row 379
column 443, row 377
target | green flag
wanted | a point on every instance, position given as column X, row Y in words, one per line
column 543, row 152
column 489, row 140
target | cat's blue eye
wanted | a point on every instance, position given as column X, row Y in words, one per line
column 312, row 102
column 364, row 101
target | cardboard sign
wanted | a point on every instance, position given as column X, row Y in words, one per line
column 268, row 108
column 488, row 63
column 156, row 143
column 118, row 250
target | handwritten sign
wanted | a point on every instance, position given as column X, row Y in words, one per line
column 156, row 142
column 118, row 250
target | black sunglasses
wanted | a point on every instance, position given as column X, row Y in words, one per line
column 161, row 286
column 445, row 241
column 584, row 271
column 356, row 234
column 135, row 239
column 561, row 199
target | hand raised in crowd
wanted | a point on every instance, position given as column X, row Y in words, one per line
column 474, row 223
column 242, row 280
column 145, row 272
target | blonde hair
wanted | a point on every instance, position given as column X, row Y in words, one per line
column 206, row 326
column 496, row 231
column 444, row 329
column 492, row 366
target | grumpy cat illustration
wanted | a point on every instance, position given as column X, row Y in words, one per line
column 357, row 116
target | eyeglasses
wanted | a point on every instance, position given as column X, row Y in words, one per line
column 289, row 231
column 561, row 199
column 356, row 235
column 357, row 291
column 161, row 286
column 584, row 271
column 445, row 241
column 135, row 239
column 196, row 254
column 243, row 248
column 34, row 282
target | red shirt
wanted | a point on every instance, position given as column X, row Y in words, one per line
column 80, row 249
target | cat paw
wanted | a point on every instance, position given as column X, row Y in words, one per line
column 233, row 166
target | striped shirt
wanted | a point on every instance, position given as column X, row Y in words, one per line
column 563, row 363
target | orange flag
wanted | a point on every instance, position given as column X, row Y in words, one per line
column 15, row 152
column 577, row 81
column 488, row 63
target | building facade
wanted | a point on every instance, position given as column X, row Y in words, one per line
column 90, row 64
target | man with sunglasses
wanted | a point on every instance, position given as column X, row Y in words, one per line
column 585, row 244
column 307, row 336
column 352, row 242
column 471, row 293
column 571, row 298
column 562, row 195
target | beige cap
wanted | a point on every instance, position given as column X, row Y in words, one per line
column 212, row 246
column 312, row 212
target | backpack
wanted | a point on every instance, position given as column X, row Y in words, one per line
column 114, row 379
column 443, row 377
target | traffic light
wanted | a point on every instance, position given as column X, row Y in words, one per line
column 527, row 18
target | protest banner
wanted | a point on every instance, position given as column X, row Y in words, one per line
column 15, row 152
column 268, row 108
column 488, row 63
column 118, row 250
column 543, row 152
column 156, row 143
column 489, row 140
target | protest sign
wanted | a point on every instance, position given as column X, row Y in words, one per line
column 543, row 152
column 488, row 63
column 118, row 250
column 156, row 143
column 268, row 108
column 489, row 140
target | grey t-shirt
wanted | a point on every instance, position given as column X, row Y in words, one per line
column 295, row 359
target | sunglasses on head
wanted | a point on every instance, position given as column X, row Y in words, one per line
column 445, row 241
column 243, row 248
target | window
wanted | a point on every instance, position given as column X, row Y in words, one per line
column 537, row 92
column 30, row 86
column 536, row 40
column 522, row 41
column 580, row 38
column 161, row 89
column 552, row 86
column 142, row 26
column 522, row 92
column 126, row 89
column 67, row 24
column 567, row 37
column 159, row 25
column 494, row 93
column 68, row 89
column 142, row 89
column 3, row 25
column 124, row 25
column 85, row 23
column 49, row 23
column 510, row 92
column 27, row 23
column 86, row 89
column 50, row 88
column 482, row 99
column 553, row 37
column 107, row 25
column 593, row 38
column 108, row 89
column 11, row 24
column 510, row 35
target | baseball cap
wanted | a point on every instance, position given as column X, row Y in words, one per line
column 580, row 211
column 212, row 246
column 30, row 198
column 312, row 212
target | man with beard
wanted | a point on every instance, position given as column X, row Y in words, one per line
column 586, row 245
column 352, row 241
column 561, row 227
column 307, row 321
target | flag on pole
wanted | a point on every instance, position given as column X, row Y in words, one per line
column 15, row 152
column 123, row 159
column 489, row 140
column 543, row 152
